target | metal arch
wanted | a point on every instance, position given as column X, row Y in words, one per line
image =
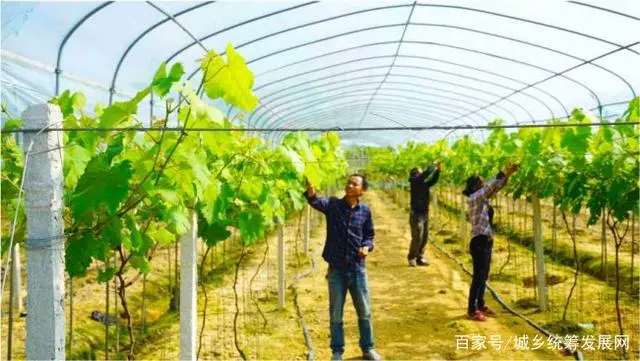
column 324, row 20
column 323, row 101
column 393, row 62
column 68, row 36
column 415, row 42
column 291, row 115
column 462, row 65
column 347, row 109
column 461, row 94
column 322, row 85
column 361, row 30
column 533, row 45
column 418, row 102
column 564, row 71
column 593, row 94
column 435, row 109
column 389, row 118
column 280, row 134
column 360, row 90
column 511, row 60
column 512, row 17
column 565, row 117
column 406, row 5
column 390, row 42
column 604, row 9
column 403, row 76
column 386, row 89
column 386, row 76
column 427, row 58
column 284, row 30
column 456, row 47
column 281, row 79
column 440, row 81
column 387, row 105
column 539, row 23
column 441, row 96
column 402, row 83
column 435, row 80
column 169, row 17
column 415, row 115
column 456, row 93
column 231, row 27
column 147, row 31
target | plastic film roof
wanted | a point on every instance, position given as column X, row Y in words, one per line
column 341, row 63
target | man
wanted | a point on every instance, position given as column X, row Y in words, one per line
column 419, row 217
column 349, row 241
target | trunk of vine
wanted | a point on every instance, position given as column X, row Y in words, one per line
column 202, row 282
column 572, row 233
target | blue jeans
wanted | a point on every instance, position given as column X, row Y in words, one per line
column 357, row 283
column 480, row 249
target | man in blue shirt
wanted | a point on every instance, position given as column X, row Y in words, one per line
column 349, row 241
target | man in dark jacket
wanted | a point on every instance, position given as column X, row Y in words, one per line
column 349, row 240
column 419, row 218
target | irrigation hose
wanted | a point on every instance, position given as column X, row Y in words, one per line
column 576, row 354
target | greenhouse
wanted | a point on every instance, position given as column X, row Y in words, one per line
column 208, row 180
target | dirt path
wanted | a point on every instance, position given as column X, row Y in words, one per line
column 417, row 311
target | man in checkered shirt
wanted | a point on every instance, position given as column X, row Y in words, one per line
column 481, row 216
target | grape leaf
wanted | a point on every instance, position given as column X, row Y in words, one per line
column 231, row 81
column 162, row 83
column 101, row 185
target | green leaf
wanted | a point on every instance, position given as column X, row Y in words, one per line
column 101, row 185
column 250, row 225
column 76, row 158
column 179, row 219
column 161, row 235
column 251, row 188
column 12, row 124
column 80, row 252
column 168, row 195
column 69, row 103
column 162, row 83
column 112, row 232
column 205, row 115
column 140, row 263
column 120, row 112
column 231, row 81
column 211, row 194
column 212, row 233
column 135, row 236
column 106, row 275
column 576, row 141
column 115, row 148
column 294, row 158
column 633, row 111
column 314, row 174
